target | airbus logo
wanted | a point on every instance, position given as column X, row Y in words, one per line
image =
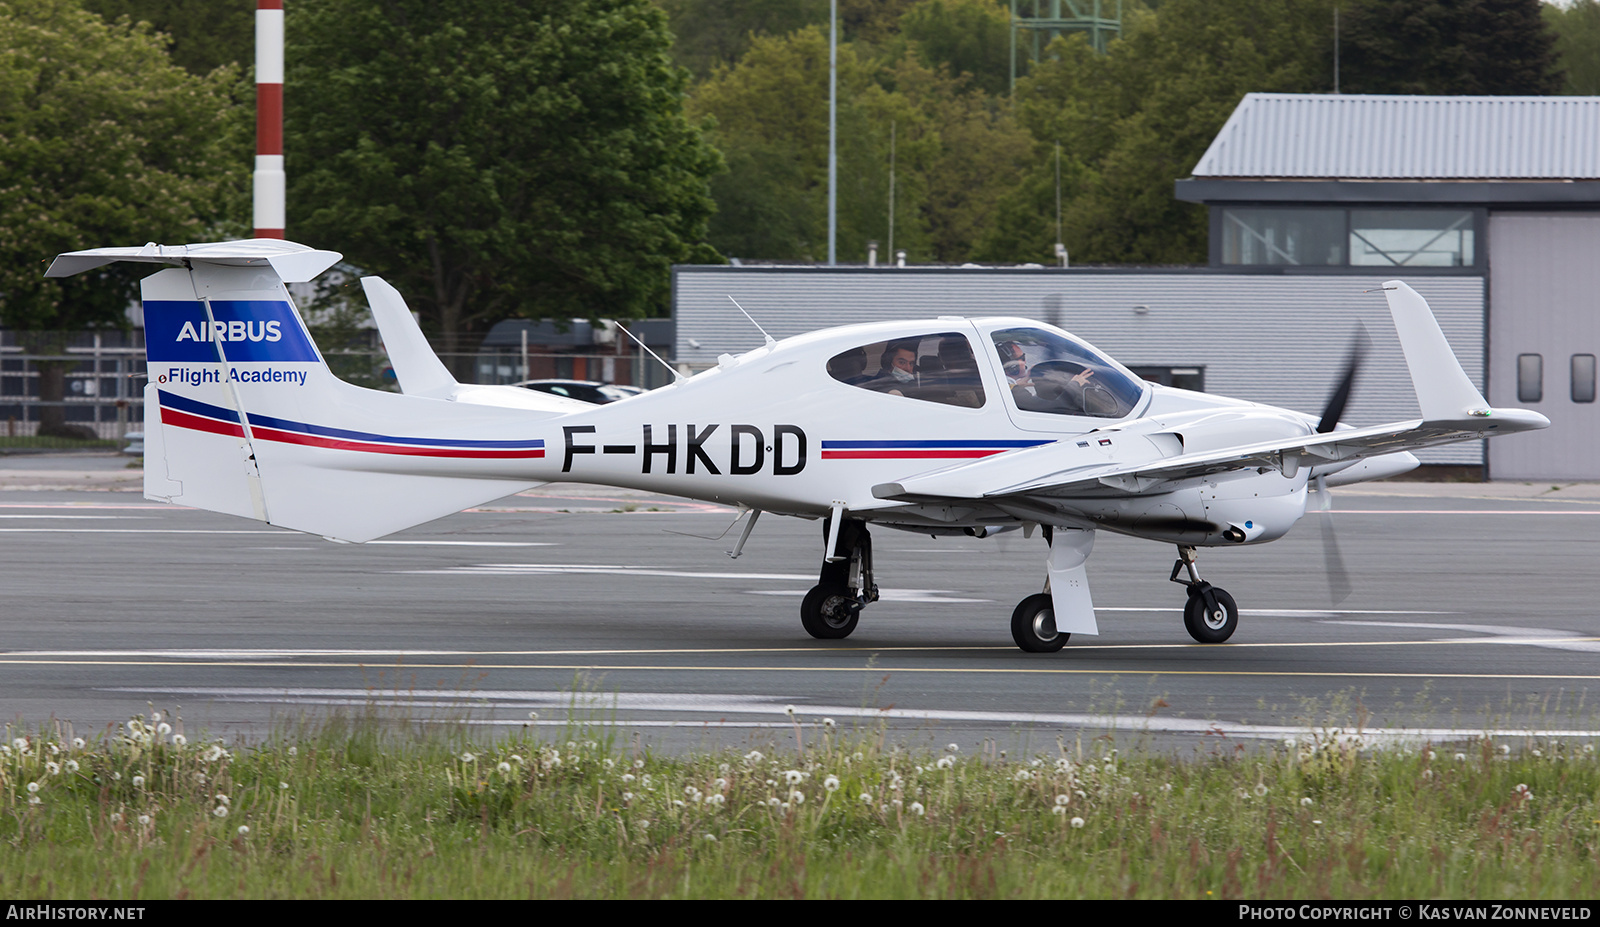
column 234, row 330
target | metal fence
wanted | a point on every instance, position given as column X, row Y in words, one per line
column 106, row 375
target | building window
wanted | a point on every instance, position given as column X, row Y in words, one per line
column 1189, row 378
column 1411, row 237
column 1335, row 237
column 1283, row 236
column 1583, row 378
column 1530, row 377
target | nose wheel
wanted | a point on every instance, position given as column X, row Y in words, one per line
column 832, row 608
column 1210, row 616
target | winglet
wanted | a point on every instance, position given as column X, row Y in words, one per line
column 418, row 369
column 1444, row 391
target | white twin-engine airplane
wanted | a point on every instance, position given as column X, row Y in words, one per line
column 945, row 426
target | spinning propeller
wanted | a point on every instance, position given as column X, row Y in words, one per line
column 1338, row 576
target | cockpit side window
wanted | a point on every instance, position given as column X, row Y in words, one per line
column 1050, row 373
column 933, row 368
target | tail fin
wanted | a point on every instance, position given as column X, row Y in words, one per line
column 242, row 415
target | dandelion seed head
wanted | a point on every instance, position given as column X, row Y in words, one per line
column 797, row 797
column 946, row 762
column 283, row 785
column 504, row 768
column 35, row 800
column 33, row 787
column 1077, row 823
column 1461, row 757
column 533, row 716
column 144, row 819
column 116, row 817
column 178, row 740
column 223, row 798
column 1024, row 775
column 467, row 758
column 866, row 798
column 788, row 710
column 52, row 767
column 1063, row 800
column 1505, row 749
column 638, row 764
column 21, row 744
column 794, row 776
column 719, row 783
column 138, row 782
column 163, row 729
column 711, row 838
column 627, row 796
column 828, row 723
column 294, row 751
column 1058, row 810
column 1261, row 789
column 917, row 809
column 244, row 830
column 952, row 748
column 715, row 801
column 754, row 756
column 831, row 783
column 220, row 811
column 678, row 803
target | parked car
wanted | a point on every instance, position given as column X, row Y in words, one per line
column 585, row 390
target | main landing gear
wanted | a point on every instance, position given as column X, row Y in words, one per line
column 833, row 606
column 1210, row 615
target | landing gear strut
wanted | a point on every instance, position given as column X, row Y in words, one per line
column 833, row 606
column 1210, row 615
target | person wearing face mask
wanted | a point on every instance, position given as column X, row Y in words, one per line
column 899, row 369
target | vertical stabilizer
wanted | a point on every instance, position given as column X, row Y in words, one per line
column 1444, row 391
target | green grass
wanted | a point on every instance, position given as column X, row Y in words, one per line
column 374, row 809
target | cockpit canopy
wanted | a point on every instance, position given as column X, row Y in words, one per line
column 1048, row 372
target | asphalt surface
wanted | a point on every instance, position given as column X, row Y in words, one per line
column 1472, row 611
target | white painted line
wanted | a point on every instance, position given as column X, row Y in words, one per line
column 924, row 596
column 1501, row 634
column 597, row 710
column 469, row 543
column 93, row 517
column 539, row 569
column 142, row 531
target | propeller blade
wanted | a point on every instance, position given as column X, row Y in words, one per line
column 1333, row 561
column 1341, row 394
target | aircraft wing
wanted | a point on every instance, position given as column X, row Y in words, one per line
column 1060, row 469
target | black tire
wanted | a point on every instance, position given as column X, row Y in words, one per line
column 1033, row 625
column 1214, row 628
column 829, row 613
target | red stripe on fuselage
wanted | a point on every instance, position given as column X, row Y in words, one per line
column 338, row 444
column 196, row 423
column 906, row 455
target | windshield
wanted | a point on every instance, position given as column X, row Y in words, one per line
column 1048, row 372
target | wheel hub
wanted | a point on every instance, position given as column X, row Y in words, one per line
column 1044, row 624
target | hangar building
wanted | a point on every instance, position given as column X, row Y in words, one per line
column 1488, row 206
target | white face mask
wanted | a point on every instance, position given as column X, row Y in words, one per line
column 901, row 375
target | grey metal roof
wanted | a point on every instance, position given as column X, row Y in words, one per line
column 1377, row 137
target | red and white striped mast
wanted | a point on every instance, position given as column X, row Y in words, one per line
column 270, row 185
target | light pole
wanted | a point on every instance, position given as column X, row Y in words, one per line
column 833, row 130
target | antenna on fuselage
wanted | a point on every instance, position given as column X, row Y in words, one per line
column 770, row 339
column 673, row 370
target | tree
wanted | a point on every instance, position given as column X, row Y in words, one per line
column 967, row 36
column 953, row 149
column 495, row 158
column 708, row 34
column 1447, row 47
column 1577, row 33
column 1134, row 120
column 103, row 141
column 205, row 34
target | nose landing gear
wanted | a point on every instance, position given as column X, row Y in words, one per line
column 1210, row 615
column 833, row 606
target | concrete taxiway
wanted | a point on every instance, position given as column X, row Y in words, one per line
column 1471, row 611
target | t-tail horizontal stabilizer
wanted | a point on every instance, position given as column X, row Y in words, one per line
column 243, row 416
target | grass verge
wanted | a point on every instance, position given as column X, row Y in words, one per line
column 363, row 808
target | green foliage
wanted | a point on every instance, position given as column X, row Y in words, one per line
column 205, row 34
column 1577, row 31
column 371, row 808
column 953, row 149
column 1447, row 47
column 103, row 141
column 967, row 36
column 496, row 159
column 1134, row 120
column 708, row 34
